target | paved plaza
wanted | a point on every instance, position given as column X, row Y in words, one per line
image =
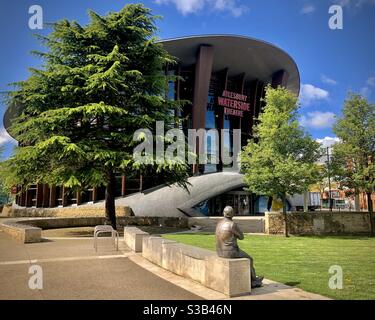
column 73, row 270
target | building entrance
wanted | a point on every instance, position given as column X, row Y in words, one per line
column 240, row 201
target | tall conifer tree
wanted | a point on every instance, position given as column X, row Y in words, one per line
column 99, row 84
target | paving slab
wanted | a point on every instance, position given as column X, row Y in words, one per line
column 272, row 290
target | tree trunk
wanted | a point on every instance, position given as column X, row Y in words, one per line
column 110, row 209
column 305, row 201
column 356, row 201
column 371, row 211
column 286, row 227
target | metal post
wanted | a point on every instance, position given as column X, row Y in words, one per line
column 329, row 181
column 123, row 185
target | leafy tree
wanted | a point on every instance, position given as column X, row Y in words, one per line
column 281, row 158
column 354, row 156
column 4, row 191
column 100, row 83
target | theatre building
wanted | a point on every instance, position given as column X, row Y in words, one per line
column 224, row 77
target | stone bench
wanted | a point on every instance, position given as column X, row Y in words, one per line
column 133, row 238
column 185, row 260
column 152, row 248
column 30, row 230
column 229, row 276
column 21, row 232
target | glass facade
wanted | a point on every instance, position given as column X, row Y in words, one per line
column 240, row 200
column 244, row 203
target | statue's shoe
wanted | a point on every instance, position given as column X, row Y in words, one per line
column 256, row 283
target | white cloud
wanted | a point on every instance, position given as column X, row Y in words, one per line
column 5, row 137
column 318, row 120
column 307, row 8
column 371, row 81
column 353, row 3
column 184, row 6
column 328, row 141
column 232, row 6
column 311, row 93
column 365, row 91
column 328, row 80
column 346, row 3
column 194, row 6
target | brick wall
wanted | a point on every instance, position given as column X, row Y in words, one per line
column 319, row 223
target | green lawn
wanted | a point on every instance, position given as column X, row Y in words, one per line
column 304, row 261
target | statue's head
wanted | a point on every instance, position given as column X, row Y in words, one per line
column 228, row 212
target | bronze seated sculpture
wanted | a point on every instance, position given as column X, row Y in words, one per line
column 227, row 233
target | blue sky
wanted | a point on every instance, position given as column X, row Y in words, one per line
column 331, row 62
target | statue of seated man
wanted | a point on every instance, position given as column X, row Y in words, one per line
column 227, row 233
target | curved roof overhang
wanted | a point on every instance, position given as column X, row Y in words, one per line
column 11, row 112
column 257, row 59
